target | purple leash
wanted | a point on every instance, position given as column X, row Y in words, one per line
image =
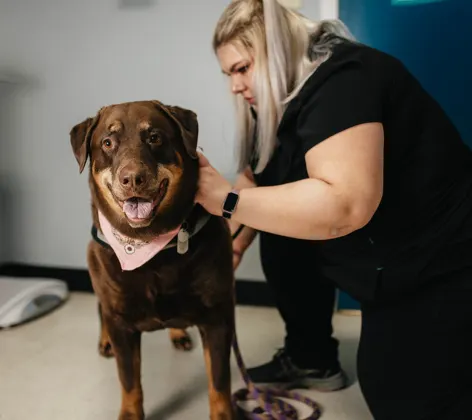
column 271, row 406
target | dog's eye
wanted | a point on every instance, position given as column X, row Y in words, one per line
column 107, row 143
column 154, row 139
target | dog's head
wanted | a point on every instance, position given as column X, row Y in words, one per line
column 143, row 163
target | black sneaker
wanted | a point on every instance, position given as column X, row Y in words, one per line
column 281, row 372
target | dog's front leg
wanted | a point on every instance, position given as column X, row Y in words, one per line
column 216, row 341
column 104, row 344
column 127, row 349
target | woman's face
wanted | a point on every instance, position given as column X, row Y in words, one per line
column 239, row 68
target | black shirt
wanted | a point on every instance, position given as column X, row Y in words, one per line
column 427, row 198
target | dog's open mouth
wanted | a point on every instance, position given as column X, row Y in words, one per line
column 140, row 209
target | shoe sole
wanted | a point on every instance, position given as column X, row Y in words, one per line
column 331, row 384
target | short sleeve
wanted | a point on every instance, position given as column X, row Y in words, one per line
column 350, row 96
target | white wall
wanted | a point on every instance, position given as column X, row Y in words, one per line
column 67, row 59
column 6, row 171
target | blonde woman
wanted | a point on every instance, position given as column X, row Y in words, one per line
column 352, row 173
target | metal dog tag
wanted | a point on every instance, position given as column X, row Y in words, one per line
column 182, row 241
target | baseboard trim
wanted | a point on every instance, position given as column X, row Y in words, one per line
column 248, row 292
column 349, row 312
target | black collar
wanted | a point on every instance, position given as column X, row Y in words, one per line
column 197, row 219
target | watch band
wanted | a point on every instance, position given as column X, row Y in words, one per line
column 230, row 203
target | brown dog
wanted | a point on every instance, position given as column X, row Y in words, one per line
column 143, row 180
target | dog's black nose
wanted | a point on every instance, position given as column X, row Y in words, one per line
column 132, row 176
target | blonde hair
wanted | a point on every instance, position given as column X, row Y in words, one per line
column 287, row 48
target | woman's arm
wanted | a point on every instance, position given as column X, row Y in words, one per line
column 341, row 195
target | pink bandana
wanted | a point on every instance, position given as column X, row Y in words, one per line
column 133, row 253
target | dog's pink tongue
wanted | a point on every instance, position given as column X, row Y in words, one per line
column 137, row 208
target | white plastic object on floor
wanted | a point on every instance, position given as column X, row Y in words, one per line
column 23, row 299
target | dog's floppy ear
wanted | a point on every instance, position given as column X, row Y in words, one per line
column 187, row 122
column 80, row 137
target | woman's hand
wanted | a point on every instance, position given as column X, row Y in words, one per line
column 212, row 187
column 212, row 191
column 237, row 257
column 241, row 243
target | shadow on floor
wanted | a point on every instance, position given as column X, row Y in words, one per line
column 174, row 404
column 348, row 359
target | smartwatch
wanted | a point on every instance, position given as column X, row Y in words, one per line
column 230, row 203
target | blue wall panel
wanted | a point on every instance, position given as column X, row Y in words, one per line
column 433, row 40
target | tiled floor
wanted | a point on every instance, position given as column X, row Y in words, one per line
column 50, row 369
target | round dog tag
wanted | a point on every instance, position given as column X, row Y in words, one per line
column 129, row 249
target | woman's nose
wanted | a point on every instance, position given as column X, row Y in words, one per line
column 237, row 89
column 237, row 86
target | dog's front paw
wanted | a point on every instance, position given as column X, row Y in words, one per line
column 181, row 339
column 105, row 349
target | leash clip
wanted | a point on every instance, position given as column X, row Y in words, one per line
column 182, row 241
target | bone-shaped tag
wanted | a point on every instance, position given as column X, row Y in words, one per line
column 182, row 241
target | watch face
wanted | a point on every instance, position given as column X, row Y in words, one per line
column 230, row 202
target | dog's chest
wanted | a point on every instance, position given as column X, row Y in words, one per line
column 156, row 300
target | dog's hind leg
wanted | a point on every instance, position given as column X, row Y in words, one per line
column 104, row 344
column 127, row 348
column 180, row 339
column 217, row 341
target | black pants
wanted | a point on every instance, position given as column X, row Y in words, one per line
column 304, row 299
column 415, row 355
